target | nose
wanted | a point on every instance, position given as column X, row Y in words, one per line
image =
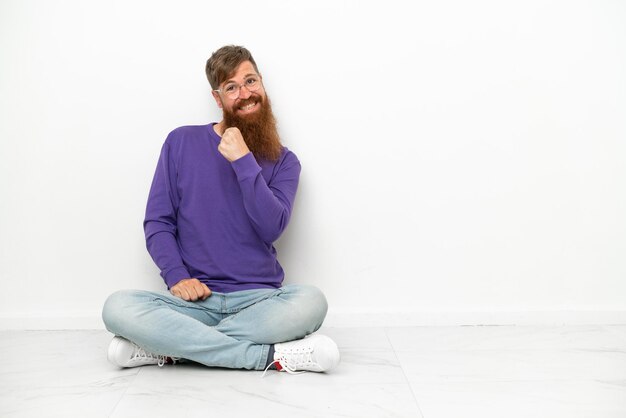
column 244, row 93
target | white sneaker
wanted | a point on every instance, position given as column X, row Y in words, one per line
column 315, row 353
column 124, row 353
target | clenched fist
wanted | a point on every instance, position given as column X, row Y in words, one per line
column 232, row 146
column 191, row 290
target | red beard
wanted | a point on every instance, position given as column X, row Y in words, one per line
column 258, row 129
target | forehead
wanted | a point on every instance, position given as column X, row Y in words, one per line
column 242, row 71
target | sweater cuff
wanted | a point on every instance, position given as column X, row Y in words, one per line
column 175, row 275
column 246, row 167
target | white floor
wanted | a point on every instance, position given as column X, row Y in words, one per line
column 430, row 372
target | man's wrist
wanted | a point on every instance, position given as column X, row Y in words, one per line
column 172, row 277
column 246, row 166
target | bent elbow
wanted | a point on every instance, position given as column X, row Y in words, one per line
column 271, row 233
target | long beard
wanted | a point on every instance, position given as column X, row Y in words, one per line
column 258, row 129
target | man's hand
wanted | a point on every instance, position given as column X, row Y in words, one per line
column 232, row 146
column 191, row 290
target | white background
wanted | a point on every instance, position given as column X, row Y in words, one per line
column 463, row 162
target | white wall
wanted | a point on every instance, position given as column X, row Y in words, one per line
column 463, row 162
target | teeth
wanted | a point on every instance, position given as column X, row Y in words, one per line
column 248, row 107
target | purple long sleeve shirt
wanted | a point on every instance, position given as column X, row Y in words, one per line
column 214, row 220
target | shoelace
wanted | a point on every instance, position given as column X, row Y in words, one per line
column 295, row 360
column 140, row 353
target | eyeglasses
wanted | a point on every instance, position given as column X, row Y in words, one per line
column 232, row 90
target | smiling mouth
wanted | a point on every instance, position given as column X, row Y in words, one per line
column 248, row 106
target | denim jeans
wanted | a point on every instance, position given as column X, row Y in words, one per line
column 233, row 330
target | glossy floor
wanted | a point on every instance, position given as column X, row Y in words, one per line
column 430, row 372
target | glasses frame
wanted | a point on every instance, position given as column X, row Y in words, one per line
column 239, row 86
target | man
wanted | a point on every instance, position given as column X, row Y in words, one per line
column 221, row 195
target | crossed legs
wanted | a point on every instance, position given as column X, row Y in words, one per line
column 233, row 330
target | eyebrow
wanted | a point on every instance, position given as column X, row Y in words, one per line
column 232, row 80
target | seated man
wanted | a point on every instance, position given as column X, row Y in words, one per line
column 221, row 195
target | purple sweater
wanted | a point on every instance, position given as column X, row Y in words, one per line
column 214, row 220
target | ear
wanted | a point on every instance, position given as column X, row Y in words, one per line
column 217, row 98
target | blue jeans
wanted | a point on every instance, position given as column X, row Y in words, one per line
column 233, row 330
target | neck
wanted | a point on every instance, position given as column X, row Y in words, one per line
column 219, row 128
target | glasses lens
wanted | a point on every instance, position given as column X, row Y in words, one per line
column 252, row 83
column 232, row 90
